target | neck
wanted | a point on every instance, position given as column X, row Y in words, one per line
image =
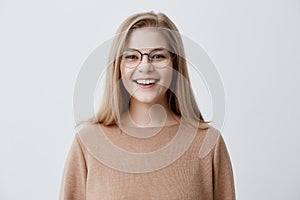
column 146, row 114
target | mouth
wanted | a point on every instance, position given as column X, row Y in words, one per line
column 146, row 82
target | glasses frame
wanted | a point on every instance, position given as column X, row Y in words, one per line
column 148, row 55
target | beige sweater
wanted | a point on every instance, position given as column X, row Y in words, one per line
column 196, row 170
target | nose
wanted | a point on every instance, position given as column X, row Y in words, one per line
column 145, row 65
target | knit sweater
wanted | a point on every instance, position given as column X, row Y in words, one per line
column 175, row 163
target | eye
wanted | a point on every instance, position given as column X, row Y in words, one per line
column 130, row 56
column 158, row 57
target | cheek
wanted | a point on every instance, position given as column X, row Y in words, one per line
column 122, row 69
column 126, row 78
column 168, row 75
column 125, row 74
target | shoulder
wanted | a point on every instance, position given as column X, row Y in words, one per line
column 93, row 130
column 92, row 137
column 211, row 138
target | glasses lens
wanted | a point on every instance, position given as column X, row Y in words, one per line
column 131, row 58
column 160, row 57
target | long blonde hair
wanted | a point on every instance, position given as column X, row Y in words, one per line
column 116, row 98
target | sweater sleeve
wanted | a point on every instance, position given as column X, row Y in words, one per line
column 75, row 173
column 222, row 172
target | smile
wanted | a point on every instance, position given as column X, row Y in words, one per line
column 146, row 82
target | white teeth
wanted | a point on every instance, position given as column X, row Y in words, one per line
column 146, row 82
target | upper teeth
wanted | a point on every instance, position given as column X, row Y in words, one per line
column 148, row 81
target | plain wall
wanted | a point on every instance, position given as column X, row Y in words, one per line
column 254, row 44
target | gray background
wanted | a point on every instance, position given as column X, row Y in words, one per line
column 254, row 44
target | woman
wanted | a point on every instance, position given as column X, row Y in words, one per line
column 148, row 140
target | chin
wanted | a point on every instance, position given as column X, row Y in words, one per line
column 146, row 100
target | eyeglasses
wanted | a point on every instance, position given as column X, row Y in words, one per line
column 159, row 57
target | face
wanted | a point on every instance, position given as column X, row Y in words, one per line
column 146, row 66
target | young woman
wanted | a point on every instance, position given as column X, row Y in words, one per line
column 148, row 140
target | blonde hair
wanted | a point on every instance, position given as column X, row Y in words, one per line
column 116, row 98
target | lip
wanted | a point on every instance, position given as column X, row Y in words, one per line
column 148, row 85
column 145, row 78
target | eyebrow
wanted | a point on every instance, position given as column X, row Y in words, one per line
column 151, row 49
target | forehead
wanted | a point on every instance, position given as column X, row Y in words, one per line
column 143, row 38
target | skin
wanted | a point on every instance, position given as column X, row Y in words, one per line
column 148, row 106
